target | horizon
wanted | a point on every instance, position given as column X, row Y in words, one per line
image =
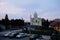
column 17, row 9
column 31, row 17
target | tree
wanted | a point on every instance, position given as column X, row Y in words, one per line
column 6, row 17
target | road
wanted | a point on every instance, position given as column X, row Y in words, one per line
column 3, row 32
column 2, row 38
column 26, row 38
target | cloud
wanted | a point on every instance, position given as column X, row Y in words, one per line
column 11, row 10
column 47, row 9
column 2, row 3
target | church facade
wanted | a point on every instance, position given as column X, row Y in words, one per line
column 35, row 20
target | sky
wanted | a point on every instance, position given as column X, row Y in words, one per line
column 18, row 9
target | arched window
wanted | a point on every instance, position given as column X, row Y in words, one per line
column 36, row 21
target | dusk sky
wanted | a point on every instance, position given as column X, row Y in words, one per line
column 17, row 9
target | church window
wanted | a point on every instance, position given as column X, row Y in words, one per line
column 36, row 21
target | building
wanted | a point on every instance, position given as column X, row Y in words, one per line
column 57, row 20
column 35, row 20
column 56, row 25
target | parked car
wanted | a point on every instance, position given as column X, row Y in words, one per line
column 37, row 39
column 6, row 34
column 13, row 34
column 40, row 38
column 21, row 35
column 34, row 36
column 32, row 29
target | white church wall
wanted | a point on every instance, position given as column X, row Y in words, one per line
column 35, row 20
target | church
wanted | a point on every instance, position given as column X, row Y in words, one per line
column 35, row 20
